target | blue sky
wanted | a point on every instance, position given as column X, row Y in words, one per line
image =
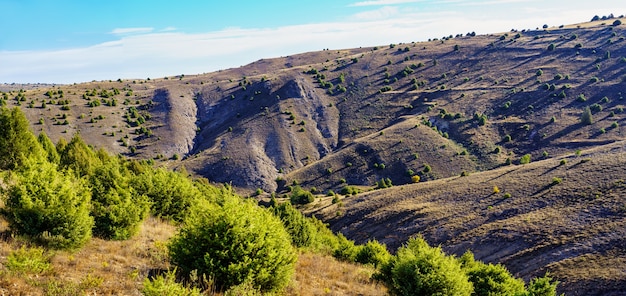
column 67, row 41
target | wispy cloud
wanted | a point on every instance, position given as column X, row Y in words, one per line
column 381, row 13
column 168, row 29
column 146, row 52
column 128, row 31
column 382, row 2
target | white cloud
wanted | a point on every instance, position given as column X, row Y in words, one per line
column 381, row 13
column 128, row 31
column 168, row 29
column 382, row 2
column 158, row 53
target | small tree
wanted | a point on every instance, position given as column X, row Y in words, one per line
column 586, row 117
column 525, row 159
column 17, row 142
column 301, row 196
column 117, row 209
column 50, row 207
column 235, row 243
column 418, row 269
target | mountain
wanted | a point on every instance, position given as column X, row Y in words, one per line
column 465, row 113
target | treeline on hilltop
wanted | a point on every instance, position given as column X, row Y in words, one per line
column 59, row 196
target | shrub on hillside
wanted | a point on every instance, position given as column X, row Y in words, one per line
column 350, row 190
column 116, row 208
column 490, row 279
column 49, row 207
column 373, row 253
column 301, row 231
column 525, row 159
column 418, row 269
column 28, row 260
column 166, row 285
column 78, row 157
column 234, row 243
column 586, row 117
column 17, row 142
column 301, row 196
column 170, row 193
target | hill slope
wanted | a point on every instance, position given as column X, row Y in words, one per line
column 464, row 105
column 569, row 219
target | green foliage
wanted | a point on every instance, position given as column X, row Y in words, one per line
column 166, row 285
column 490, row 279
column 350, row 190
column 116, row 208
column 302, row 232
column 595, row 108
column 49, row 148
column 418, row 269
column 28, row 260
column 78, row 157
column 384, row 183
column 50, row 207
column 373, row 253
column 170, row 193
column 234, row 243
column 525, row 159
column 17, row 142
column 551, row 47
column 586, row 117
column 543, row 286
column 300, row 196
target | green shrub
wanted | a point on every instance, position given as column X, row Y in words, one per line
column 301, row 231
column 170, row 193
column 17, row 142
column 556, row 180
column 595, row 108
column 28, row 260
column 78, row 157
column 525, row 159
column 418, row 269
column 543, row 286
column 234, row 243
column 116, row 208
column 373, row 253
column 490, row 279
column 49, row 207
column 345, row 249
column 301, row 196
column 350, row 190
column 166, row 285
column 586, row 117
column 384, row 183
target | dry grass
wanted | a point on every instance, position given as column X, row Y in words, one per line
column 324, row 275
column 99, row 268
column 119, row 268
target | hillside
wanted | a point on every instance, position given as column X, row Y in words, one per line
column 468, row 104
column 568, row 219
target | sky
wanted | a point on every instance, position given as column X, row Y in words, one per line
column 73, row 41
